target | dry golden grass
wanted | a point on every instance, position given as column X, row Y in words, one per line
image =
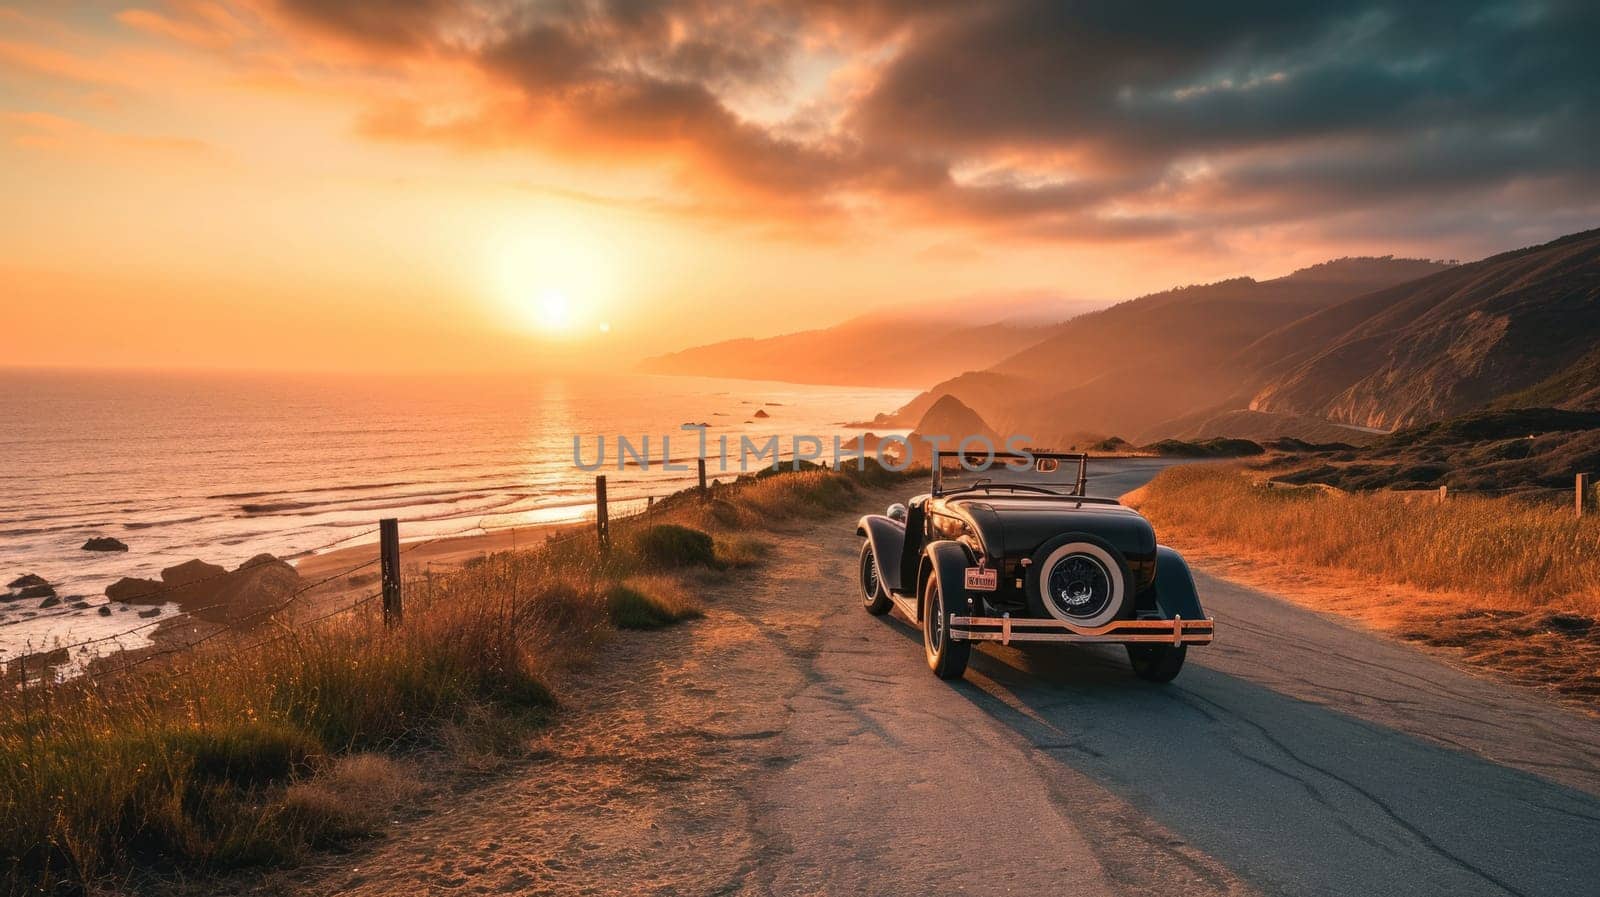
column 739, row 550
column 190, row 759
column 1515, row 554
column 1504, row 583
column 353, row 797
column 248, row 752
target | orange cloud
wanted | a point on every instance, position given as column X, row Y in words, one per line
column 56, row 63
column 210, row 26
column 1022, row 119
column 52, row 133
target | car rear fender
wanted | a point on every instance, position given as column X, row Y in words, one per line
column 950, row 561
column 1175, row 592
column 888, row 538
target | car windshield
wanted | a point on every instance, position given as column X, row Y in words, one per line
column 1060, row 478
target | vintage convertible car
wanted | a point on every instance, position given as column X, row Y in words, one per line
column 1010, row 561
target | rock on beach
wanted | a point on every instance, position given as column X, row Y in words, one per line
column 105, row 543
column 248, row 593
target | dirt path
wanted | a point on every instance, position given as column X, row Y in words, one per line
column 791, row 744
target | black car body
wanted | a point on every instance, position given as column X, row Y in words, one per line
column 1009, row 562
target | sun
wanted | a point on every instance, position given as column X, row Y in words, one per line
column 552, row 311
column 554, row 277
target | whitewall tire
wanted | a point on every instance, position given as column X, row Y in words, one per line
column 1084, row 584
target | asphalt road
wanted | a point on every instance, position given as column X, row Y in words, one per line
column 790, row 744
column 1296, row 755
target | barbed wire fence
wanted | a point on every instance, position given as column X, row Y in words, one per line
column 248, row 622
column 1579, row 494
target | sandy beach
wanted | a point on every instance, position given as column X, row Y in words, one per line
column 417, row 557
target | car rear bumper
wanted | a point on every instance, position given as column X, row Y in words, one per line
column 1007, row 629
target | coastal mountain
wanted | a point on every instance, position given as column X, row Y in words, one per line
column 1134, row 367
column 907, row 347
column 1520, row 328
column 948, row 422
column 1338, row 352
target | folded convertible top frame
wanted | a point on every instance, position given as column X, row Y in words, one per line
column 1080, row 488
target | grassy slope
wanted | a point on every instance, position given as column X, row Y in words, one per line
column 250, row 753
column 1514, row 583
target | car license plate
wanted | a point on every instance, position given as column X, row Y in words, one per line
column 982, row 579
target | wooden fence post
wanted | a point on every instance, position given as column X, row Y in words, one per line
column 1581, row 489
column 389, row 561
column 702, row 476
column 602, row 521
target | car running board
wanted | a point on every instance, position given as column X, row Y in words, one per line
column 1007, row 629
column 906, row 604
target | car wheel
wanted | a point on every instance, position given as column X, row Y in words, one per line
column 873, row 595
column 1157, row 663
column 946, row 657
column 1080, row 579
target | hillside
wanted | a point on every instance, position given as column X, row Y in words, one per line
column 901, row 347
column 1135, row 366
column 1263, row 426
column 902, row 354
column 1517, row 328
column 1525, row 449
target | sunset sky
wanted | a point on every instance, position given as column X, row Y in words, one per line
column 310, row 184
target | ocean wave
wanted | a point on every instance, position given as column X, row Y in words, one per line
column 46, row 530
column 173, row 521
column 438, row 496
column 359, row 487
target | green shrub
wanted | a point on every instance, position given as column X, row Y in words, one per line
column 246, row 753
column 1209, row 448
column 668, row 545
column 649, row 603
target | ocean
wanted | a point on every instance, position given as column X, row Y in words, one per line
column 222, row 467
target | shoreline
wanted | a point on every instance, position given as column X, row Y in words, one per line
column 420, row 556
column 490, row 449
column 442, row 554
column 449, row 552
column 417, row 556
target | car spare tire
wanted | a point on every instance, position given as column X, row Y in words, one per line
column 1079, row 579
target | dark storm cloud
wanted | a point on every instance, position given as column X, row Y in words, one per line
column 544, row 57
column 388, row 24
column 1145, row 85
column 1121, row 120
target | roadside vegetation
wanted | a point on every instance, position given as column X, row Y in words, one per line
column 1514, row 582
column 248, row 753
column 1528, row 450
column 1207, row 448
